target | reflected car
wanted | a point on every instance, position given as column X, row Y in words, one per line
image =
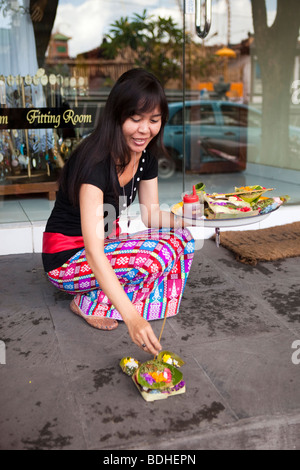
column 218, row 136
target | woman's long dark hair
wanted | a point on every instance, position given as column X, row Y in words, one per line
column 136, row 91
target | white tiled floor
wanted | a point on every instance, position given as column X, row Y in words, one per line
column 25, row 210
column 22, row 221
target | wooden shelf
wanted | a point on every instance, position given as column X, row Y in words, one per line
column 50, row 187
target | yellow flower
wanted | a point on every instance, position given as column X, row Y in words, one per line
column 166, row 357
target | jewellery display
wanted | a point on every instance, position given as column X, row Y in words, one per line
column 12, row 6
column 34, row 151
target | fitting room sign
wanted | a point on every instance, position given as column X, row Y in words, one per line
column 46, row 118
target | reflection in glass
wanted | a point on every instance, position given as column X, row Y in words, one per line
column 236, row 117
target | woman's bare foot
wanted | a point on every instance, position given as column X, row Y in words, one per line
column 101, row 323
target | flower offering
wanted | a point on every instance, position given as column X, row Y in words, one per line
column 158, row 378
column 245, row 201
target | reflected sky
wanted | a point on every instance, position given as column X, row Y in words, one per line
column 87, row 21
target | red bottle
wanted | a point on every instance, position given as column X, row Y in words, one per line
column 191, row 206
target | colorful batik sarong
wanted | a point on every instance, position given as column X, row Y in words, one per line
column 152, row 266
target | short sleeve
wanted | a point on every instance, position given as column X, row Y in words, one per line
column 150, row 166
column 99, row 176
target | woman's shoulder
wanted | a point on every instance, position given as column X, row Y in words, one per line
column 148, row 154
column 102, row 165
column 99, row 174
column 150, row 165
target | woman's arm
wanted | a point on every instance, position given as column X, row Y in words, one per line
column 92, row 224
column 151, row 214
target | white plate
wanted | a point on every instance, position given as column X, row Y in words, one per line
column 221, row 223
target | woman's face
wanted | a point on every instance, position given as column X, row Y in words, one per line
column 140, row 129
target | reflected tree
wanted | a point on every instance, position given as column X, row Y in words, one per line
column 152, row 43
column 43, row 27
column 276, row 49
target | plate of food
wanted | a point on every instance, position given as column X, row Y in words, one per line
column 245, row 205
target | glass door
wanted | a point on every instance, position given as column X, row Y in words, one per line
column 61, row 58
column 230, row 69
column 242, row 94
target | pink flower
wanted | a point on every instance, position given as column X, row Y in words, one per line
column 167, row 375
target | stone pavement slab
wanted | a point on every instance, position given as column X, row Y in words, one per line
column 62, row 388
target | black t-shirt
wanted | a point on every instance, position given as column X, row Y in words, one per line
column 65, row 218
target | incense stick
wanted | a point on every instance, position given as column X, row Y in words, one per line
column 237, row 193
column 162, row 328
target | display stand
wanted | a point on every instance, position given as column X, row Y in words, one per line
column 38, row 136
column 49, row 187
column 217, row 224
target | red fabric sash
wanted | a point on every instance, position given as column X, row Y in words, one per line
column 56, row 242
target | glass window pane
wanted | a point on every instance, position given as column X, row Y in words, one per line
column 234, row 115
column 242, row 93
column 71, row 54
column 249, row 75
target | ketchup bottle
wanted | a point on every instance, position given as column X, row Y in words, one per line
column 191, row 205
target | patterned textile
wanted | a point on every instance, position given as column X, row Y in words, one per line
column 152, row 266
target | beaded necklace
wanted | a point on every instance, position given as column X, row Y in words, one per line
column 124, row 211
column 125, row 206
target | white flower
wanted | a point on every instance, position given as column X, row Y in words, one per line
column 131, row 362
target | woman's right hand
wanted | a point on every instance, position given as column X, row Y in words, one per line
column 141, row 333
